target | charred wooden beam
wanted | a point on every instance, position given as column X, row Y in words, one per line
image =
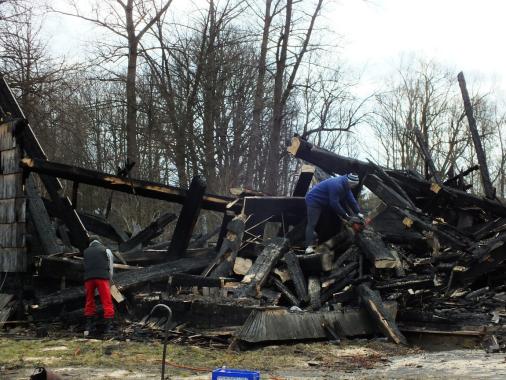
column 227, row 217
column 290, row 297
column 377, row 311
column 187, row 217
column 326, row 160
column 190, row 280
column 329, row 291
column 408, row 282
column 422, row 144
column 154, row 229
column 128, row 280
column 388, row 195
column 224, row 262
column 375, row 250
column 30, row 144
column 126, row 185
column 45, row 230
column 253, row 281
column 296, row 275
column 480, row 153
column 304, row 181
column 314, row 289
column 93, row 223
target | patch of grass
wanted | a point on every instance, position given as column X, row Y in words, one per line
column 141, row 355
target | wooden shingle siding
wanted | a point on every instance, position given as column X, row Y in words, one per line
column 13, row 255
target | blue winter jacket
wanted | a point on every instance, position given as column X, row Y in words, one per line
column 334, row 192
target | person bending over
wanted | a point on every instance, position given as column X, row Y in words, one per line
column 334, row 193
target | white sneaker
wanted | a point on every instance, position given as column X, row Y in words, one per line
column 310, row 249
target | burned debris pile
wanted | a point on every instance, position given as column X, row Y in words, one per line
column 430, row 259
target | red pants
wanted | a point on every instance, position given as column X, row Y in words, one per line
column 104, row 291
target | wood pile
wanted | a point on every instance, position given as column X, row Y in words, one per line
column 431, row 257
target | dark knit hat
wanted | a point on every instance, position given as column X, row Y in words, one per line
column 353, row 178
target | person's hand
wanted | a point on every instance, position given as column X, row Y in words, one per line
column 361, row 216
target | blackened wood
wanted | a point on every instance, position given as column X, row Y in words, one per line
column 317, row 262
column 454, row 180
column 298, row 279
column 30, row 144
column 129, row 279
column 227, row 217
column 75, row 190
column 283, row 325
column 201, row 241
column 486, row 259
column 390, row 182
column 189, row 280
column 422, row 144
column 338, row 286
column 304, row 181
column 224, row 262
column 126, row 185
column 187, row 217
column 326, row 160
column 339, row 274
column 410, row 282
column 375, row 250
column 348, row 255
column 289, row 210
column 93, row 223
column 314, row 289
column 480, row 153
column 154, row 229
column 290, row 297
column 386, row 193
column 377, row 311
column 253, row 281
column 38, row 213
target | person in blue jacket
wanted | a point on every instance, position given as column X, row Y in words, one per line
column 334, row 193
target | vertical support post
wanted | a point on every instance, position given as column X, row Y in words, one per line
column 187, row 217
column 422, row 143
column 480, row 154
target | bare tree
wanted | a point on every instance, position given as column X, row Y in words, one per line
column 129, row 20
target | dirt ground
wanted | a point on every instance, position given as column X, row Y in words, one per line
column 76, row 358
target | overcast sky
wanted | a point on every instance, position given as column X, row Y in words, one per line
column 463, row 34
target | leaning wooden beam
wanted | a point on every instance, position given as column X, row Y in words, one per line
column 38, row 213
column 415, row 187
column 187, row 217
column 126, row 185
column 224, row 262
column 422, row 144
column 93, row 223
column 27, row 139
column 480, row 153
column 326, row 160
column 253, row 281
column 78, row 234
column 154, row 229
column 304, row 181
column 296, row 275
column 377, row 311
column 129, row 279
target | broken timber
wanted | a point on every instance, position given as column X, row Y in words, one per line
column 374, row 305
column 187, row 217
column 480, row 154
column 253, row 281
column 126, row 185
column 129, row 279
column 154, row 229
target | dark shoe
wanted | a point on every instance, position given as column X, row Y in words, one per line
column 90, row 328
column 108, row 326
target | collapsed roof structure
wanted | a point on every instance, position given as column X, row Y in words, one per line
column 431, row 259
